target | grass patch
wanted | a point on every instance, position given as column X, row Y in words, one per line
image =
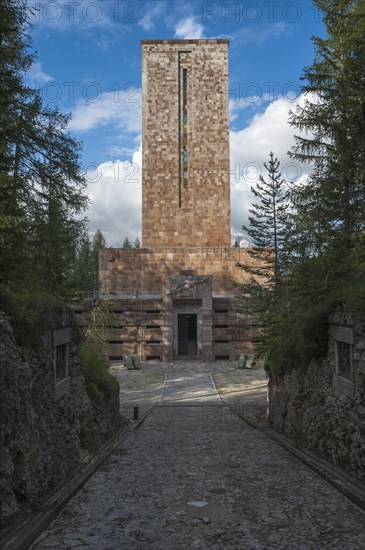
column 100, row 382
column 29, row 313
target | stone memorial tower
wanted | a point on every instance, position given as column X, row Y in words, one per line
column 185, row 144
column 174, row 296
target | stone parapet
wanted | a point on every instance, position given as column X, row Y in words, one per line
column 146, row 270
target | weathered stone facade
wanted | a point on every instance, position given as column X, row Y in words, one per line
column 148, row 288
column 322, row 408
column 48, row 424
column 174, row 297
column 194, row 212
column 145, row 270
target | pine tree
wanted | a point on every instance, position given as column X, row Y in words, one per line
column 57, row 199
column 326, row 236
column 127, row 243
column 333, row 119
column 97, row 244
column 41, row 184
column 137, row 243
column 15, row 60
column 268, row 225
column 329, row 222
column 83, row 273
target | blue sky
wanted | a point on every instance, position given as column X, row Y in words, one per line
column 89, row 63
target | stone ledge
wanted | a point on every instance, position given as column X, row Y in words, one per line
column 187, row 41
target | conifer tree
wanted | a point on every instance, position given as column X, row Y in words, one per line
column 15, row 60
column 268, row 224
column 332, row 121
column 326, row 235
column 57, row 199
column 41, row 184
column 127, row 243
column 97, row 244
column 137, row 243
column 83, row 275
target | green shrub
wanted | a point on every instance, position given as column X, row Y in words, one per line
column 99, row 381
column 29, row 312
column 293, row 340
column 93, row 391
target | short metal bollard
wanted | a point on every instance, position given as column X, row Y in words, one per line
column 136, row 413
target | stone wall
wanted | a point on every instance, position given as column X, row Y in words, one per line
column 137, row 283
column 323, row 408
column 47, row 426
column 146, row 270
column 140, row 327
column 178, row 213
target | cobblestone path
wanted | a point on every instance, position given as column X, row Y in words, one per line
column 196, row 476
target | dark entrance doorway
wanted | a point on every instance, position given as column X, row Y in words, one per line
column 187, row 334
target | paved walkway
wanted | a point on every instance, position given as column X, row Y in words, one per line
column 196, row 476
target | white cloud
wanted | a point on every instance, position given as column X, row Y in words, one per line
column 122, row 109
column 259, row 34
column 117, row 190
column 37, row 75
column 189, row 28
column 250, row 148
column 249, row 102
column 116, row 199
column 153, row 11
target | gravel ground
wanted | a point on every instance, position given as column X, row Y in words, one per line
column 194, row 475
column 245, row 391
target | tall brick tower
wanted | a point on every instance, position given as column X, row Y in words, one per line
column 185, row 144
column 174, row 296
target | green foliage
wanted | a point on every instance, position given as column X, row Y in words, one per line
column 100, row 382
column 127, row 243
column 29, row 312
column 102, row 318
column 59, row 197
column 85, row 272
column 41, row 183
column 332, row 126
column 93, row 391
column 268, row 224
column 97, row 244
column 93, row 362
column 324, row 240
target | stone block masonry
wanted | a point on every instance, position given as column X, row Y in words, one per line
column 145, row 327
column 186, row 265
column 122, row 270
column 142, row 285
column 185, row 143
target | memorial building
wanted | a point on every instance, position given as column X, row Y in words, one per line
column 174, row 296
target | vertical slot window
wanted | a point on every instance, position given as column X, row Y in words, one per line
column 185, row 127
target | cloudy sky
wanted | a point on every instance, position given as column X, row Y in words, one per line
column 89, row 63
